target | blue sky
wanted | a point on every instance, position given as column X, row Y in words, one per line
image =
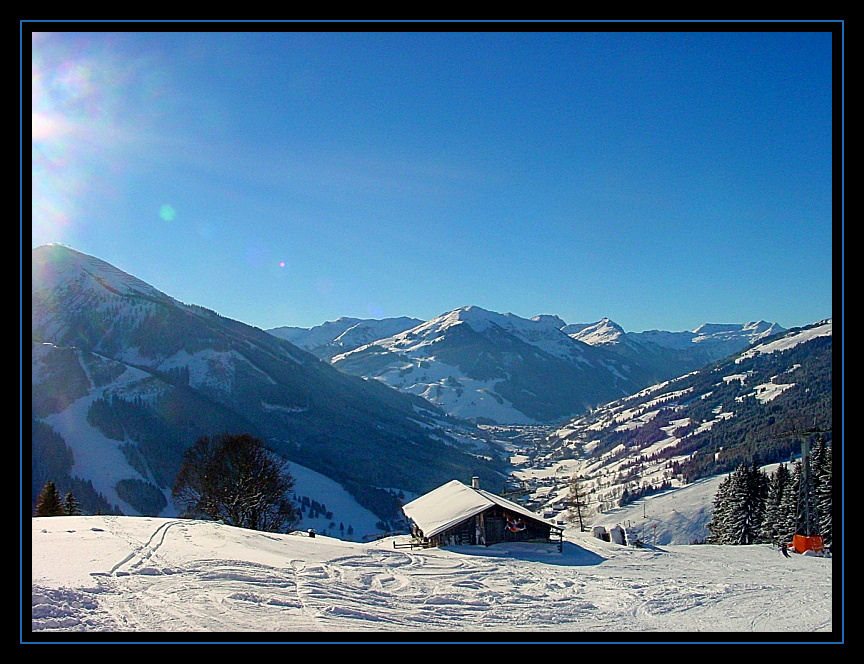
column 660, row 179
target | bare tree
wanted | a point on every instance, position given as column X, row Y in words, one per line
column 236, row 479
column 576, row 498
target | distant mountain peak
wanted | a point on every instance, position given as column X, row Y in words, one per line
column 749, row 327
column 499, row 367
column 604, row 331
column 549, row 319
column 476, row 317
column 344, row 334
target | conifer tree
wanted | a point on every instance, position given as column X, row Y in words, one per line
column 48, row 502
column 787, row 521
column 739, row 507
column 759, row 486
column 746, row 504
column 824, row 494
column 70, row 505
column 718, row 526
column 816, row 472
column 772, row 525
column 807, row 511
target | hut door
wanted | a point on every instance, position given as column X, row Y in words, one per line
column 494, row 529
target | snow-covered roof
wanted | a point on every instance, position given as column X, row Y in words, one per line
column 453, row 502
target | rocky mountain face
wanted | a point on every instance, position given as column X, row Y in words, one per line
column 125, row 378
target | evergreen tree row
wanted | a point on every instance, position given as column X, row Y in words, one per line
column 48, row 503
column 752, row 507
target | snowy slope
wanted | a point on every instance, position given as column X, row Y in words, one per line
column 125, row 378
column 678, row 431
column 603, row 331
column 677, row 516
column 138, row 574
column 790, row 340
column 101, row 460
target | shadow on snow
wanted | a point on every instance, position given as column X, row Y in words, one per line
column 571, row 555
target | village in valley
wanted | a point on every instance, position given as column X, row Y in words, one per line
column 539, row 501
column 546, row 477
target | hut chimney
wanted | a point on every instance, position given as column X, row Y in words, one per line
column 475, row 482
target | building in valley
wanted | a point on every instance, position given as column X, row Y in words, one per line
column 455, row 513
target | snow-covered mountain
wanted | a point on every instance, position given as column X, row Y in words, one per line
column 706, row 422
column 502, row 368
column 344, row 334
column 664, row 354
column 717, row 340
column 604, row 331
column 125, row 378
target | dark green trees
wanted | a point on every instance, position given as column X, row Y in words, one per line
column 236, row 479
column 750, row 488
column 752, row 507
column 48, row 502
column 824, row 493
column 717, row 526
column 820, row 503
column 70, row 505
column 739, row 507
column 775, row 526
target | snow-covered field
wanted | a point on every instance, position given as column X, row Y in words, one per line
column 138, row 574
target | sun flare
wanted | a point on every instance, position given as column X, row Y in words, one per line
column 88, row 115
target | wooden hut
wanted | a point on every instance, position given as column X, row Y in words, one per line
column 455, row 513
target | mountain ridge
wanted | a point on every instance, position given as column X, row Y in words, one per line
column 602, row 353
column 152, row 374
column 753, row 405
column 494, row 367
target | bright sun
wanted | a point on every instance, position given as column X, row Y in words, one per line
column 88, row 115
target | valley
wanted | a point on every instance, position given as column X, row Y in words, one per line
column 125, row 378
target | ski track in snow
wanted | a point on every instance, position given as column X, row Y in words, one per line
column 190, row 576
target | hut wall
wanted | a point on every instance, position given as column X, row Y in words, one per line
column 461, row 533
column 495, row 519
column 495, row 530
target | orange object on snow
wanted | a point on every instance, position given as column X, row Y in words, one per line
column 802, row 543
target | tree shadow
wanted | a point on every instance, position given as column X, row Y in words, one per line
column 571, row 555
